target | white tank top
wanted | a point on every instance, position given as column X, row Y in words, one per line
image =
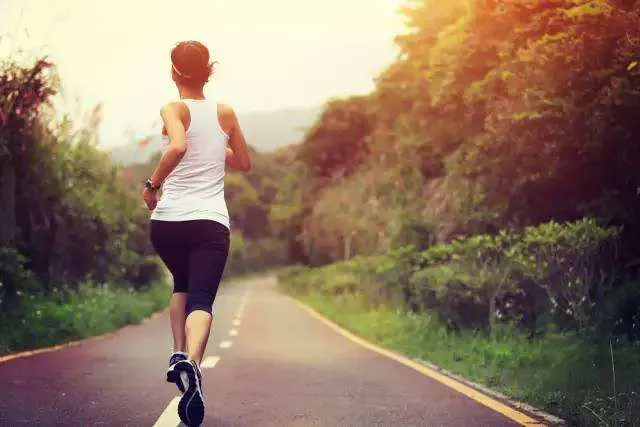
column 195, row 188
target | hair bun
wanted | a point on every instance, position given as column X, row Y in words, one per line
column 190, row 60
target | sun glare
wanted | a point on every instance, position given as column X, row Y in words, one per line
column 271, row 55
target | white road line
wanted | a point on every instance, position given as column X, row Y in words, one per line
column 226, row 344
column 236, row 322
column 170, row 415
column 233, row 332
column 209, row 362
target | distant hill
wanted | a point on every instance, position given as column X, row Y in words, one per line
column 265, row 131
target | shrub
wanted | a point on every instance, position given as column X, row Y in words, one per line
column 14, row 275
column 574, row 263
column 552, row 274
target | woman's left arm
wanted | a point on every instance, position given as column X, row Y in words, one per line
column 174, row 123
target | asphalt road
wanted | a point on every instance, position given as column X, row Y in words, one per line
column 268, row 363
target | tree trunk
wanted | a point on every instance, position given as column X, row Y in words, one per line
column 347, row 247
column 492, row 310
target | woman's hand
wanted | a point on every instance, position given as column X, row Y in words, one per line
column 150, row 198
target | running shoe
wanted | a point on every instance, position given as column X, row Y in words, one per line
column 173, row 376
column 191, row 406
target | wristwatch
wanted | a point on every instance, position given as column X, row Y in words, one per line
column 148, row 184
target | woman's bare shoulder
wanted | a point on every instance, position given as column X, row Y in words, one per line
column 174, row 106
column 225, row 110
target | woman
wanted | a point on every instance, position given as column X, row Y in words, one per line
column 190, row 223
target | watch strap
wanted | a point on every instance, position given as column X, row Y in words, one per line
column 150, row 185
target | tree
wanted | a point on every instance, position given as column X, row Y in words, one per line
column 336, row 145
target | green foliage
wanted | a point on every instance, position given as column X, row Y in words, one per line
column 236, row 264
column 336, row 145
column 244, row 205
column 37, row 320
column 14, row 276
column 574, row 263
column 414, row 231
column 553, row 275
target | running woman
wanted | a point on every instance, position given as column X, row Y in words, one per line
column 190, row 223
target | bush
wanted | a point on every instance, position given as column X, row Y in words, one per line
column 552, row 274
column 14, row 275
column 575, row 263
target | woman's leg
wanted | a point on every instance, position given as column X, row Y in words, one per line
column 206, row 265
column 177, row 315
column 198, row 327
column 163, row 237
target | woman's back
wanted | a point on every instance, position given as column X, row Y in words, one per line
column 195, row 188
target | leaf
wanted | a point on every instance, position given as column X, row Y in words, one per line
column 633, row 65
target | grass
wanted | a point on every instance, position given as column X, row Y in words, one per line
column 567, row 376
column 62, row 316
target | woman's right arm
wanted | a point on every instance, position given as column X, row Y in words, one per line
column 237, row 154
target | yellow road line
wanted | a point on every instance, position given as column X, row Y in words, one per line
column 38, row 351
column 507, row 411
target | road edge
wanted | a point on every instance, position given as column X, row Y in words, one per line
column 520, row 412
column 34, row 352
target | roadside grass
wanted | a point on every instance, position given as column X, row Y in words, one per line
column 567, row 376
column 34, row 321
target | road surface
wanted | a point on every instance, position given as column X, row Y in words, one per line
column 268, row 363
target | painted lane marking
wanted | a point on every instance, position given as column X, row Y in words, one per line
column 236, row 322
column 501, row 408
column 233, row 332
column 241, row 307
column 209, row 362
column 169, row 416
column 226, row 344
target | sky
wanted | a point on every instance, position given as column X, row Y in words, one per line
column 271, row 54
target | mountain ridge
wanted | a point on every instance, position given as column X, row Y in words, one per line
column 265, row 131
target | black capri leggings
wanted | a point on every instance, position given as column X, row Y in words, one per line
column 195, row 252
